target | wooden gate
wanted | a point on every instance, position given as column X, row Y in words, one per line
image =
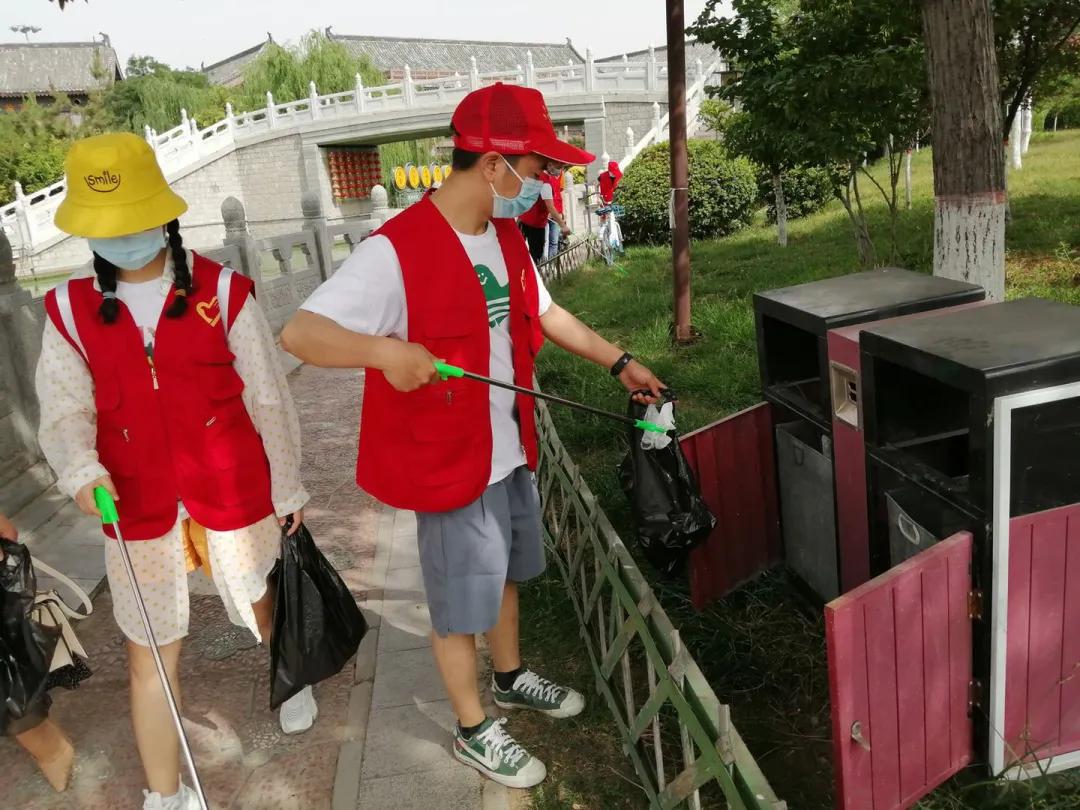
column 899, row 678
column 735, row 464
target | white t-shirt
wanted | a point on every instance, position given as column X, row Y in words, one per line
column 367, row 295
column 145, row 300
column 546, row 192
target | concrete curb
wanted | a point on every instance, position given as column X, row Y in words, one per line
column 346, row 794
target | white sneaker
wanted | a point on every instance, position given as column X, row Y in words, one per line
column 299, row 712
column 185, row 799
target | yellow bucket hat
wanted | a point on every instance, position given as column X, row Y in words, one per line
column 115, row 188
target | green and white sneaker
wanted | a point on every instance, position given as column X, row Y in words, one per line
column 493, row 752
column 531, row 691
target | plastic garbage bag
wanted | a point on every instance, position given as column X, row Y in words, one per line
column 669, row 513
column 663, row 417
column 26, row 648
column 317, row 624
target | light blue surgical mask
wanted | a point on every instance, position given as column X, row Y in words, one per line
column 131, row 252
column 510, row 207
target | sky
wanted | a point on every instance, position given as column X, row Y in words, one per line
column 190, row 32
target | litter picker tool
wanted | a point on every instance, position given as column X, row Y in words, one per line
column 107, row 507
column 447, row 371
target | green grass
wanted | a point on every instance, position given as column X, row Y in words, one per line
column 763, row 653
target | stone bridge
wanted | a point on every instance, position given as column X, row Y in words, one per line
column 268, row 158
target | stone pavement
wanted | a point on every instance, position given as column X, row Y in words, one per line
column 383, row 735
column 405, row 761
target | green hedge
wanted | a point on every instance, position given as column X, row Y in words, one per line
column 806, row 190
column 723, row 193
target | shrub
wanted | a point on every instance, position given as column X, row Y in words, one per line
column 723, row 193
column 806, row 190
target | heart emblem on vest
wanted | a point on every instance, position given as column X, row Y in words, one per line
column 209, row 311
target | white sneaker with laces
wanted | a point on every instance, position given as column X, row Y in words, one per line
column 299, row 712
column 185, row 799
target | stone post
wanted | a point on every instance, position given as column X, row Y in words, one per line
column 230, row 118
column 22, row 216
column 359, row 94
column 650, row 71
column 313, row 100
column 185, row 124
column 20, row 335
column 699, row 70
column 530, row 70
column 590, row 71
column 149, row 135
column 237, row 233
column 270, row 114
column 380, row 203
column 594, row 142
column 315, row 222
column 656, row 122
column 407, row 87
column 474, row 74
column 570, row 200
column 629, row 143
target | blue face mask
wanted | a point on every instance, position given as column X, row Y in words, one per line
column 130, row 252
column 510, row 207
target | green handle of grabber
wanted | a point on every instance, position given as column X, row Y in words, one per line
column 446, row 371
column 106, row 505
column 648, row 427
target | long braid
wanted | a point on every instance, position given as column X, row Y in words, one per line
column 106, row 276
column 181, row 271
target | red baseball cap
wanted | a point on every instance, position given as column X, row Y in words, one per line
column 511, row 120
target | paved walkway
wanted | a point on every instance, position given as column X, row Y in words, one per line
column 383, row 735
column 405, row 761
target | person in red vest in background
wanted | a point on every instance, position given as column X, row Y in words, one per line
column 159, row 380
column 557, row 226
column 608, row 181
column 547, row 208
column 450, row 278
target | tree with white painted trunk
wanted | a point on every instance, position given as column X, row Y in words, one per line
column 969, row 170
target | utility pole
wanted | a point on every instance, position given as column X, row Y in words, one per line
column 680, row 174
column 25, row 30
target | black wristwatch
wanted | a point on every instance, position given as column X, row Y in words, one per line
column 621, row 364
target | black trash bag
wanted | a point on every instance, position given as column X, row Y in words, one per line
column 669, row 513
column 317, row 624
column 26, row 648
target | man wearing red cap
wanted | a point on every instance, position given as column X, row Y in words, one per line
column 450, row 278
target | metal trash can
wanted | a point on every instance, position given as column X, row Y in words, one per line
column 807, row 505
column 906, row 536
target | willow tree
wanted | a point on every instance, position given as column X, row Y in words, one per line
column 287, row 71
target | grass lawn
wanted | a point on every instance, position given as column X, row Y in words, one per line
column 762, row 653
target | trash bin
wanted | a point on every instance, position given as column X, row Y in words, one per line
column 978, row 412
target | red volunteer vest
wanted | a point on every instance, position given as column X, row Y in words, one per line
column 430, row 450
column 537, row 216
column 189, row 436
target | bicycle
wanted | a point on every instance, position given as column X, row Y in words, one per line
column 609, row 237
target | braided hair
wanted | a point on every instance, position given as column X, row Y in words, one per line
column 107, row 273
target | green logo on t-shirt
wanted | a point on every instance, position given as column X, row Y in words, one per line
column 497, row 295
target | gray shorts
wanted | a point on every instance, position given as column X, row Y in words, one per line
column 468, row 555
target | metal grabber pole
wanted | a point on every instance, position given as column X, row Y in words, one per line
column 109, row 516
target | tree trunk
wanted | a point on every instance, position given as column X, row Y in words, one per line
column 907, row 179
column 781, row 209
column 1029, row 115
column 1016, row 142
column 969, row 170
column 1055, row 122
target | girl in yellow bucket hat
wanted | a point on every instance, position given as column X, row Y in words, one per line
column 159, row 379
